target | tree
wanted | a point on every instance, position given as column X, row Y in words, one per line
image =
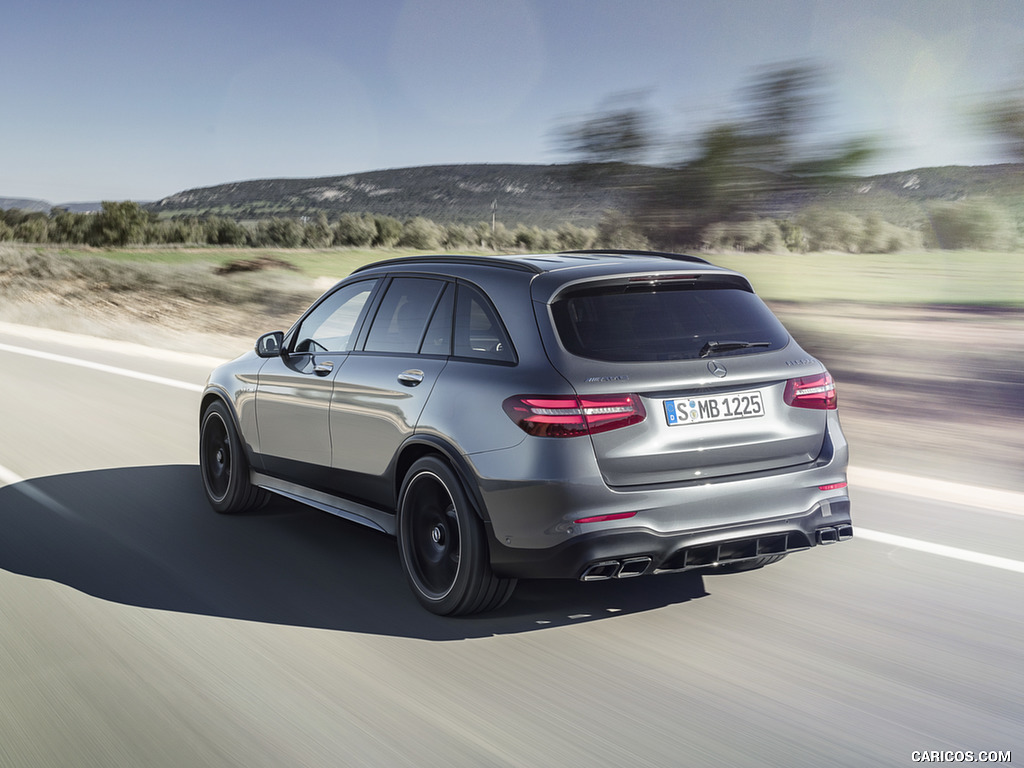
column 318, row 233
column 221, row 231
column 119, row 224
column 732, row 166
column 389, row 230
column 1002, row 116
column 422, row 234
column 619, row 132
column 355, row 230
column 68, row 227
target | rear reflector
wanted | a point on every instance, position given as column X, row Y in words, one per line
column 605, row 518
column 568, row 416
column 817, row 392
column 832, row 486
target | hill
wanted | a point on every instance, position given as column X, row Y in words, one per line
column 29, row 205
column 539, row 195
column 24, row 204
column 549, row 195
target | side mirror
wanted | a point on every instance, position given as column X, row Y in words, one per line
column 270, row 344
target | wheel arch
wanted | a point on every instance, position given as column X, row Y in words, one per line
column 419, row 446
column 213, row 394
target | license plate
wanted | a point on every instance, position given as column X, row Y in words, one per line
column 699, row 410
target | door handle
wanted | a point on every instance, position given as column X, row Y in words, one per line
column 412, row 377
column 322, row 369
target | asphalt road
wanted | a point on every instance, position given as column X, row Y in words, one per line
column 138, row 628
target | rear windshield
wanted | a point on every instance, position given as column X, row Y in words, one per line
column 637, row 324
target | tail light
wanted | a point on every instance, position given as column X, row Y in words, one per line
column 568, row 416
column 817, row 392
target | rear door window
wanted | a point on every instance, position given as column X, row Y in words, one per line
column 623, row 323
column 401, row 320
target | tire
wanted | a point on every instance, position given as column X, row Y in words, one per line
column 223, row 464
column 442, row 544
column 748, row 565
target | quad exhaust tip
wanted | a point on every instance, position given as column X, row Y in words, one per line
column 832, row 535
column 616, row 569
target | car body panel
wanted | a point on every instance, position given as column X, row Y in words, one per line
column 351, row 432
column 373, row 412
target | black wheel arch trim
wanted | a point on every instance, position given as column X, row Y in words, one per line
column 217, row 392
column 433, row 444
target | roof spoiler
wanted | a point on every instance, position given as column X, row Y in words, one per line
column 627, row 252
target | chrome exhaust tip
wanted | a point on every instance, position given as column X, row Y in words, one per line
column 634, row 566
column 606, row 569
column 828, row 535
column 845, row 532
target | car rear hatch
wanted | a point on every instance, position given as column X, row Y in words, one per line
column 722, row 387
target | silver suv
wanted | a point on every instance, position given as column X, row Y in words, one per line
column 585, row 415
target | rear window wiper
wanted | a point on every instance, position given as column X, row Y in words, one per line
column 714, row 347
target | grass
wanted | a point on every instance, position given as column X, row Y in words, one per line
column 954, row 278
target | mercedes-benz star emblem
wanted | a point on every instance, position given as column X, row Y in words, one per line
column 717, row 369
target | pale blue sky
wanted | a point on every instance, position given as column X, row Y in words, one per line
column 134, row 100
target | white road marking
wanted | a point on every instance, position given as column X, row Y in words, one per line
column 133, row 349
column 938, row 490
column 65, row 360
column 24, row 487
column 955, row 553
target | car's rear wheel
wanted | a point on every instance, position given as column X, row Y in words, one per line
column 223, row 465
column 442, row 544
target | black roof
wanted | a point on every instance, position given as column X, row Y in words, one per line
column 538, row 263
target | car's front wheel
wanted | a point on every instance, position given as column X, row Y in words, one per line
column 442, row 544
column 223, row 465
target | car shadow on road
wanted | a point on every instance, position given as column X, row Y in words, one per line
column 145, row 536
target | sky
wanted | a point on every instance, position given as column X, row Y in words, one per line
column 119, row 100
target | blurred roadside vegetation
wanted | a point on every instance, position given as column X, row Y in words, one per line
column 286, row 280
column 975, row 223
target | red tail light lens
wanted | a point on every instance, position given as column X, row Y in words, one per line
column 817, row 392
column 606, row 518
column 832, row 487
column 567, row 416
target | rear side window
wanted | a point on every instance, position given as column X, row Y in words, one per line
column 479, row 333
column 619, row 323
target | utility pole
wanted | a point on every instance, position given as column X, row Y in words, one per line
column 494, row 211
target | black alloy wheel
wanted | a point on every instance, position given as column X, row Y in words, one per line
column 223, row 465
column 442, row 544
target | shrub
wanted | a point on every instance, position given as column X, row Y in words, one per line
column 573, row 238
column 535, row 239
column 459, row 236
column 827, row 229
column 757, row 235
column 218, row 231
column 422, row 234
column 389, row 231
column 616, row 230
column 355, row 230
column 284, row 233
column 317, row 233
column 971, row 224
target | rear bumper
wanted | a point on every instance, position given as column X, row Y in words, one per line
column 534, row 527
column 627, row 552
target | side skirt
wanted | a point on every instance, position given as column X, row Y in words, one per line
column 335, row 505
